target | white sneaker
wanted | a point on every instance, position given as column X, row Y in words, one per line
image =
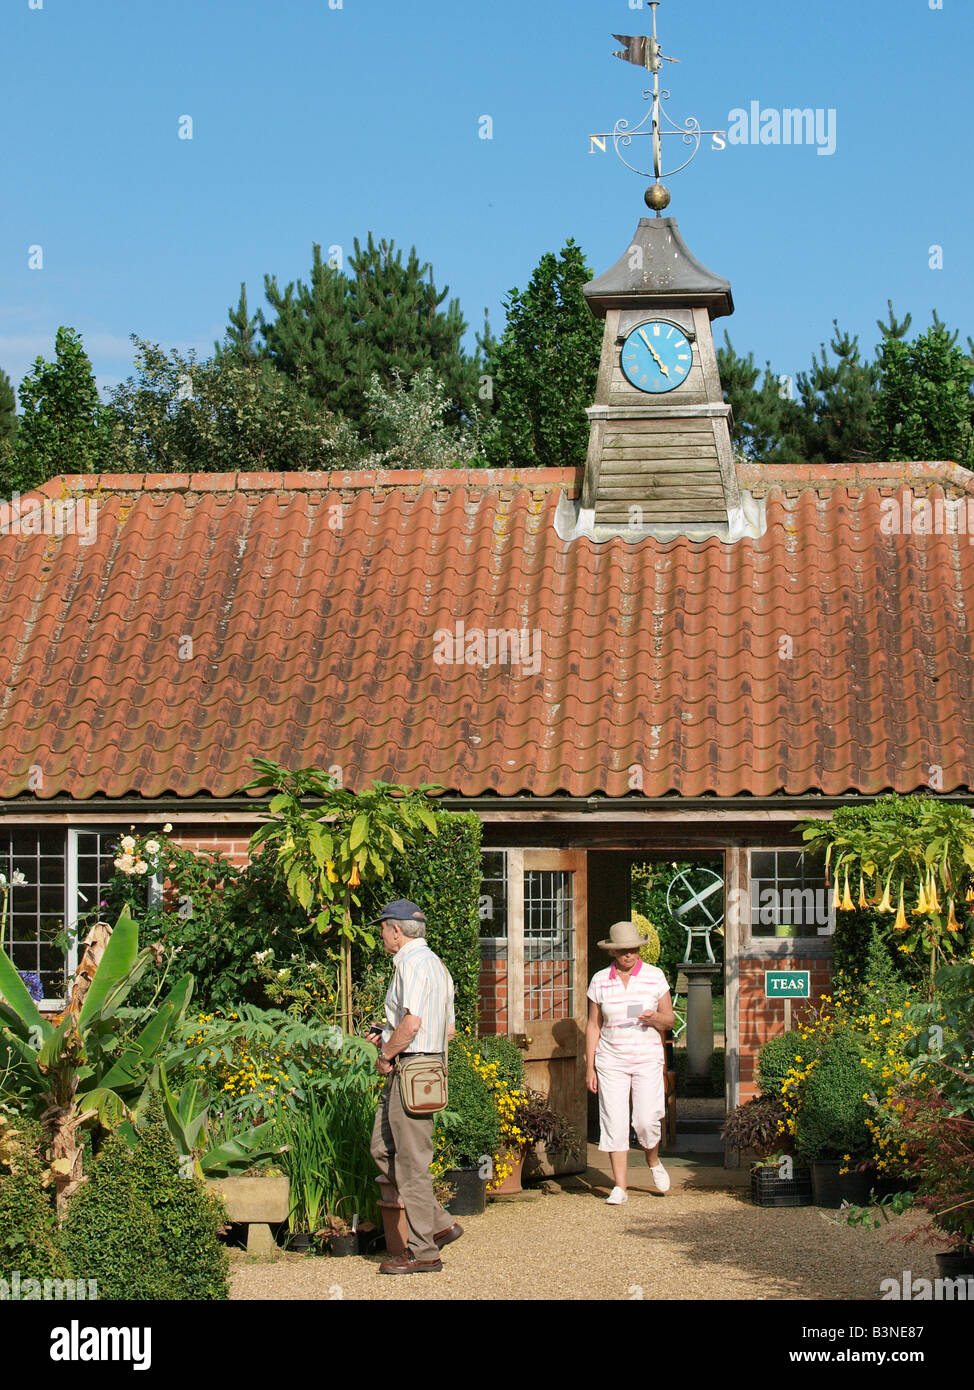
column 617, row 1196
column 661, row 1178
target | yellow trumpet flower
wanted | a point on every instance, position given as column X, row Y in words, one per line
column 952, row 922
column 922, row 904
column 835, row 894
column 969, row 895
column 354, row 881
column 847, row 903
column 862, row 894
column 933, row 902
column 884, row 904
column 901, row 923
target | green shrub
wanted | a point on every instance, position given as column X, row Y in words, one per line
column 140, row 1229
column 650, row 953
column 217, row 916
column 832, row 1114
column 29, row 1240
column 509, row 1059
column 443, row 877
column 469, row 1129
column 776, row 1057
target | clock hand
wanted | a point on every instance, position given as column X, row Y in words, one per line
column 659, row 361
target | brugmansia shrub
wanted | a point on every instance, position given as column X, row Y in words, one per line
column 28, row 1226
column 143, row 1231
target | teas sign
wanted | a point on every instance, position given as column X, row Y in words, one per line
column 787, row 984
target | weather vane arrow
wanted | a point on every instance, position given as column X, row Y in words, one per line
column 643, row 51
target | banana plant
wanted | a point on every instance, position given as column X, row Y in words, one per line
column 186, row 1115
column 89, row 1064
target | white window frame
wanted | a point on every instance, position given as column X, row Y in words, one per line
column 760, row 941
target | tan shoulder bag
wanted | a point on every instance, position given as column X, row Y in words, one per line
column 422, row 1084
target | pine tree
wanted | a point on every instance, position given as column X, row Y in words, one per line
column 384, row 318
column 241, row 336
column 767, row 420
column 544, row 369
column 837, row 400
column 63, row 426
column 8, row 413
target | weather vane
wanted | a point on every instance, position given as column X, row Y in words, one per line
column 644, row 51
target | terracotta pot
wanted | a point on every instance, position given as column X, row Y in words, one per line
column 393, row 1217
column 512, row 1183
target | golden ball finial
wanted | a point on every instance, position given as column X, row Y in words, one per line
column 657, row 197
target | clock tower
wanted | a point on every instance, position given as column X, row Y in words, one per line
column 659, row 456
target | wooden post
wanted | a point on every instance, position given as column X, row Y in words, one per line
column 515, row 941
column 737, row 894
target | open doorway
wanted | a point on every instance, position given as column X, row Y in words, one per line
column 681, row 895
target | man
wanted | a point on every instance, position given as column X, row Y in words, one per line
column 420, row 1021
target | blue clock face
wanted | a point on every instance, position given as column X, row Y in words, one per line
column 656, row 357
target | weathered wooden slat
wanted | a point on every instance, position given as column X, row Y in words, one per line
column 619, row 494
column 660, row 511
column 620, row 455
column 633, row 472
column 665, row 424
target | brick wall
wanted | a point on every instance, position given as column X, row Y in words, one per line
column 761, row 1018
column 547, row 992
column 493, row 996
column 230, row 841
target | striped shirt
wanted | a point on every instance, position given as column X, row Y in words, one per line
column 623, row 1038
column 421, row 985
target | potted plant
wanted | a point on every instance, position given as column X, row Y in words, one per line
column 466, row 1135
column 760, row 1126
column 338, row 1236
column 831, row 1133
column 548, row 1132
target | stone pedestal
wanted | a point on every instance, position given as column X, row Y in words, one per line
column 260, row 1202
column 700, row 1018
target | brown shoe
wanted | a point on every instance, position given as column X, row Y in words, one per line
column 448, row 1237
column 405, row 1264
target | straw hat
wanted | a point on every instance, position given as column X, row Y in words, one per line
column 623, row 936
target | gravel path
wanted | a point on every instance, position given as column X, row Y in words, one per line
column 697, row 1242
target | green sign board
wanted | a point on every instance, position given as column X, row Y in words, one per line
column 787, row 984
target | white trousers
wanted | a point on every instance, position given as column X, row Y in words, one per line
column 642, row 1082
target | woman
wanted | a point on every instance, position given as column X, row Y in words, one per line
column 629, row 1010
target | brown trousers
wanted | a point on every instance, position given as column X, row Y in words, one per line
column 402, row 1146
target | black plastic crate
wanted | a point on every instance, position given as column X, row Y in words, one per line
column 769, row 1189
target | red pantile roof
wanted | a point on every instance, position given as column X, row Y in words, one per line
column 213, row 617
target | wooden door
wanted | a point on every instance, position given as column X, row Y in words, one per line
column 548, row 976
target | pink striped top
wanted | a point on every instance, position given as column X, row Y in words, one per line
column 622, row 1037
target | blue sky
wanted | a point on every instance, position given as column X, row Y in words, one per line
column 314, row 123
